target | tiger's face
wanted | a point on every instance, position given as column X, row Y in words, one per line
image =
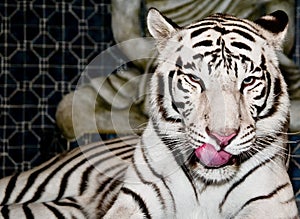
column 221, row 91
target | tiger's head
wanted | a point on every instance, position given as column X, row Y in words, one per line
column 219, row 100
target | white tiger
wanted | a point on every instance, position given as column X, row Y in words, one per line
column 215, row 143
column 214, row 147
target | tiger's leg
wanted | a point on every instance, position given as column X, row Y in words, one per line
column 261, row 209
column 274, row 202
column 128, row 207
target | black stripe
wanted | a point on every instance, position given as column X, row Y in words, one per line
column 190, row 65
column 34, row 176
column 198, row 56
column 138, row 199
column 5, row 212
column 153, row 185
column 276, row 102
column 197, row 32
column 65, row 179
column 112, row 187
column 178, row 63
column 221, row 30
column 10, row 188
column 241, row 45
column 190, row 178
column 244, row 34
column 128, row 157
column 243, row 86
column 213, row 52
column 211, row 21
column 27, row 212
column 171, row 144
column 261, row 95
column 110, row 180
column 245, row 142
column 205, row 43
column 108, row 206
column 201, row 24
column 71, row 199
column 268, row 82
column 187, row 112
column 258, row 84
column 87, row 172
column 263, row 65
column 277, row 87
column 245, row 58
column 54, row 211
column 160, row 98
column 42, row 186
column 68, row 204
column 237, row 183
column 72, row 204
column 179, row 48
column 40, row 190
column 175, row 105
column 172, row 73
column 244, row 26
column 84, row 179
column 161, row 177
column 263, row 197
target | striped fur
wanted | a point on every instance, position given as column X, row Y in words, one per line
column 215, row 145
column 215, row 79
column 80, row 184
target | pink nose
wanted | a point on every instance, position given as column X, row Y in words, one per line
column 222, row 140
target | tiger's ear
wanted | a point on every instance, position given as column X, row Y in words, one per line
column 275, row 23
column 159, row 26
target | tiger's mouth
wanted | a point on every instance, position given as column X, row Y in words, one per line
column 209, row 157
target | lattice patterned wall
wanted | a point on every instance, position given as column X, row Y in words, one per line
column 44, row 46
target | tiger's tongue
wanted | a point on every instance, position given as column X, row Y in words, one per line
column 208, row 156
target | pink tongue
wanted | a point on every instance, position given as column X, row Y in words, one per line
column 208, row 156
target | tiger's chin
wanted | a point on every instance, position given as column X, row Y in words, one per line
column 214, row 175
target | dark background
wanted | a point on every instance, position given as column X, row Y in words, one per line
column 44, row 47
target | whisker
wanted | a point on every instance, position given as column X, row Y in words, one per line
column 258, row 149
column 278, row 132
column 281, row 152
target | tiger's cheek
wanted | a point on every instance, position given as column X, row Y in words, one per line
column 247, row 113
column 249, row 105
column 255, row 99
column 187, row 99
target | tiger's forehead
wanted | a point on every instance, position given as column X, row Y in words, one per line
column 235, row 36
column 220, row 43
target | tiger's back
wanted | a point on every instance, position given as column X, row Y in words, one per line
column 81, row 183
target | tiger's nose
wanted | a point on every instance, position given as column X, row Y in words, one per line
column 223, row 140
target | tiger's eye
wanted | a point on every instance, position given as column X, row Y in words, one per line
column 249, row 81
column 194, row 78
